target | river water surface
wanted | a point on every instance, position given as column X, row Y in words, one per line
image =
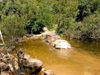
column 82, row 59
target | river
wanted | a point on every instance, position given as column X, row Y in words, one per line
column 82, row 59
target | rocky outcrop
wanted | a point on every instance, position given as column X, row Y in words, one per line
column 27, row 65
column 40, row 36
column 52, row 38
column 32, row 66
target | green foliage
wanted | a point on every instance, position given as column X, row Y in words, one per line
column 91, row 27
column 48, row 20
column 13, row 26
column 67, row 27
column 87, row 7
column 37, row 24
column 75, row 18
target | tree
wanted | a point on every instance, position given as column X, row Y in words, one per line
column 13, row 26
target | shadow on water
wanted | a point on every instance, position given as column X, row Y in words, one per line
column 77, row 61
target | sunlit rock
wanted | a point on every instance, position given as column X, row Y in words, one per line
column 52, row 38
column 26, row 56
column 4, row 73
column 32, row 65
column 63, row 44
column 23, row 55
column 45, row 29
column 43, row 69
column 1, row 54
column 4, row 67
column 49, row 72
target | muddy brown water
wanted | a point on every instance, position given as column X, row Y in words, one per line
column 80, row 60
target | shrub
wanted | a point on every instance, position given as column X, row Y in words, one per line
column 36, row 25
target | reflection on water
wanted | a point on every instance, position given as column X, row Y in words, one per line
column 63, row 61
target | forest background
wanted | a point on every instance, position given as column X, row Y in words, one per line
column 78, row 19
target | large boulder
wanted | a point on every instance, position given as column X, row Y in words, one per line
column 31, row 65
column 52, row 38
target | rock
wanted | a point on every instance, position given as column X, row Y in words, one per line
column 20, row 51
column 32, row 65
column 43, row 69
column 24, row 37
column 42, row 37
column 45, row 29
column 5, row 59
column 36, row 37
column 1, row 54
column 12, row 47
column 4, row 73
column 56, row 42
column 11, row 67
column 9, row 50
column 40, row 73
column 28, row 35
column 19, row 40
column 52, row 38
column 1, row 49
column 23, row 55
column 4, row 67
column 16, row 42
column 49, row 72
column 26, row 56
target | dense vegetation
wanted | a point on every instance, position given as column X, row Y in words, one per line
column 75, row 18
